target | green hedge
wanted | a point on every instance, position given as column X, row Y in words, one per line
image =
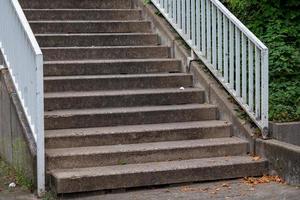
column 277, row 24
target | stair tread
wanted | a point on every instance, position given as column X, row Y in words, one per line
column 125, row 109
column 134, row 128
column 87, row 21
column 153, row 146
column 81, row 9
column 118, row 92
column 77, row 173
column 93, row 34
column 114, row 76
column 110, row 61
column 108, row 47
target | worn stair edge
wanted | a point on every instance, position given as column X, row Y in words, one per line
column 82, row 14
column 131, row 134
column 75, row 4
column 85, row 118
column 156, row 173
column 117, row 82
column 105, row 52
column 96, row 39
column 122, row 98
column 66, row 158
column 119, row 66
column 85, row 26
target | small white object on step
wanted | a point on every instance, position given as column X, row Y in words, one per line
column 12, row 185
column 181, row 88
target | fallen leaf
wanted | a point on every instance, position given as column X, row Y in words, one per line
column 225, row 185
column 187, row 189
column 256, row 158
column 261, row 180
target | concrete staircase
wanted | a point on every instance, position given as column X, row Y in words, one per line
column 114, row 114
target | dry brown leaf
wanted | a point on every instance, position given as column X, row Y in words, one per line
column 186, row 189
column 256, row 158
column 261, row 180
column 225, row 185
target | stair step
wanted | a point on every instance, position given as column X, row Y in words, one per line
column 156, row 173
column 85, row 26
column 96, row 39
column 66, row 158
column 116, row 82
column 83, row 4
column 108, row 52
column 122, row 98
column 99, row 67
column 82, row 14
column 164, row 96
column 136, row 134
column 85, row 118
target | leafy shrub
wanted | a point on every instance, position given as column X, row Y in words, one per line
column 277, row 24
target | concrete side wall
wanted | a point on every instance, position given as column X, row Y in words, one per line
column 287, row 132
column 17, row 146
column 283, row 157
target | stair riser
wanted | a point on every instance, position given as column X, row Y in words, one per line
column 138, row 137
column 91, row 27
column 104, row 53
column 159, row 178
column 111, row 68
column 82, row 4
column 114, row 119
column 117, row 83
column 36, row 15
column 124, row 100
column 88, row 40
column 107, row 159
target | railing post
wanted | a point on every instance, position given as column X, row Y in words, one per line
column 40, row 127
column 265, row 93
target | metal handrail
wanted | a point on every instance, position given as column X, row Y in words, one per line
column 24, row 60
column 234, row 55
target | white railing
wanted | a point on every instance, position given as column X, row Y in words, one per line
column 234, row 55
column 24, row 60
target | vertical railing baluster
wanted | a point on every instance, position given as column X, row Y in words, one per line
column 174, row 11
column 244, row 68
column 237, row 62
column 183, row 15
column 208, row 29
column 257, row 83
column 198, row 25
column 226, row 52
column 214, row 37
column 220, row 45
column 193, row 23
column 188, row 20
column 179, row 14
column 231, row 55
column 265, row 91
column 203, row 27
column 250, row 76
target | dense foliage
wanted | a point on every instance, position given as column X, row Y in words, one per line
column 277, row 24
